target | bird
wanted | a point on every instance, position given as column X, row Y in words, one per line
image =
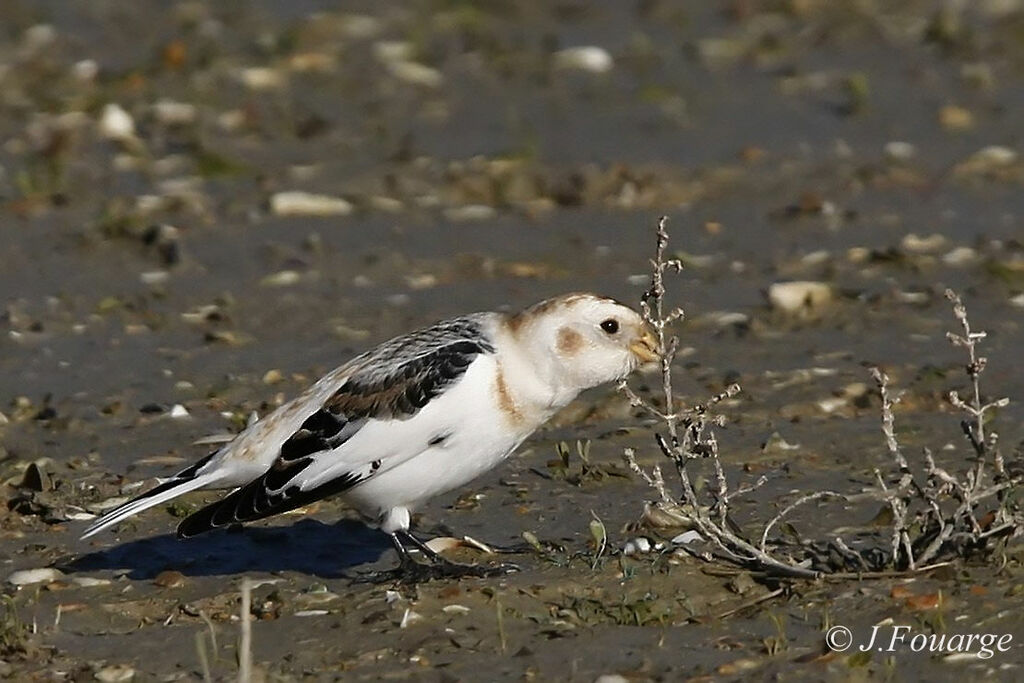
column 415, row 417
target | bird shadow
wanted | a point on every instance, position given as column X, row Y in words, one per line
column 308, row 546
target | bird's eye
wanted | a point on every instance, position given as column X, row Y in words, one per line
column 611, row 325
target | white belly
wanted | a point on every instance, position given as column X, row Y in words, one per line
column 479, row 436
column 435, row 471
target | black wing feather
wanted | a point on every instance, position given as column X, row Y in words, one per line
column 394, row 381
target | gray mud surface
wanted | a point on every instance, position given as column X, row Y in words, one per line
column 157, row 287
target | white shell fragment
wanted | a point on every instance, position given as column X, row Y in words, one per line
column 687, row 537
column 297, row 203
column 116, row 124
column 897, row 150
column 115, row 674
column 171, row 113
column 26, row 577
column 636, row 546
column 799, row 297
column 923, row 244
column 589, row 58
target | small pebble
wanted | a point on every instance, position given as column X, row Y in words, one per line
column 296, row 203
column 169, row 578
column 636, row 546
column 85, row 70
column 800, row 296
column 25, row 577
column 688, row 537
column 588, row 58
column 455, row 609
column 960, row 256
column 179, row 411
column 898, row 150
column 611, row 678
column 262, row 78
column 415, row 73
column 116, row 123
column 171, row 113
column 282, row 278
column 955, row 118
column 89, row 582
column 120, row 673
column 994, row 155
column 923, row 244
column 470, row 212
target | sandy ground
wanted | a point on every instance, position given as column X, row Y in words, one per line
column 453, row 159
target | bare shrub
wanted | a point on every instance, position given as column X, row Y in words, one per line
column 937, row 516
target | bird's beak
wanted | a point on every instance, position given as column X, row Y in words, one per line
column 645, row 347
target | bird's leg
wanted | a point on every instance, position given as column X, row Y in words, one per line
column 445, row 568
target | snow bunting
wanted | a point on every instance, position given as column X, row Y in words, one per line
column 415, row 417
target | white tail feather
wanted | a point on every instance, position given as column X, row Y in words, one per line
column 144, row 502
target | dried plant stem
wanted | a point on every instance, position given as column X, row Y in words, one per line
column 245, row 639
column 934, row 512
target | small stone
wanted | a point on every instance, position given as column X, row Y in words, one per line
column 923, row 245
column 169, row 578
column 799, row 297
column 831, row 404
column 421, row 281
column 688, row 537
column 283, row 278
column 960, row 256
column 262, row 78
column 89, row 582
column 393, row 50
column 590, row 58
column 171, row 113
column 116, row 123
column 898, row 150
column 154, row 277
column 994, row 155
column 85, row 70
column 470, row 212
column 415, row 73
column 955, row 118
column 273, row 376
column 777, row 444
column 636, row 546
column 312, row 613
column 455, row 609
column 296, row 203
column 25, row 577
column 120, row 673
column 178, row 411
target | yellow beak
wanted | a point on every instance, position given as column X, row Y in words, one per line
column 645, row 347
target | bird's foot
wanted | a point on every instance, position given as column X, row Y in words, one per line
column 436, row 567
column 413, row 572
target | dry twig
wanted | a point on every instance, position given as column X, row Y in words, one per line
column 934, row 513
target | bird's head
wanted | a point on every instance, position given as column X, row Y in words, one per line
column 584, row 339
